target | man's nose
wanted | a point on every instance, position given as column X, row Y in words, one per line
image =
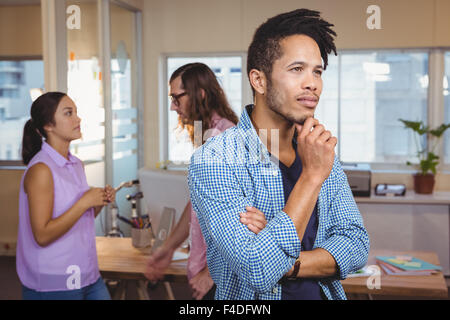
column 173, row 107
column 310, row 82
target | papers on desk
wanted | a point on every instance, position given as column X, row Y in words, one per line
column 399, row 266
column 406, row 266
column 180, row 256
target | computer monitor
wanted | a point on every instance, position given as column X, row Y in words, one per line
column 161, row 189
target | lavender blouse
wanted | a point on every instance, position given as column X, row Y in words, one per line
column 69, row 262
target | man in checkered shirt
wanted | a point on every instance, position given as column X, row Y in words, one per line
column 273, row 202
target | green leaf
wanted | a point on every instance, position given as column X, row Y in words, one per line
column 439, row 131
column 432, row 156
column 416, row 126
column 428, row 161
column 429, row 164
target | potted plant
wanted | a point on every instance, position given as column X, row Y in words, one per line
column 428, row 160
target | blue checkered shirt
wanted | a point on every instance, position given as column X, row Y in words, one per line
column 234, row 170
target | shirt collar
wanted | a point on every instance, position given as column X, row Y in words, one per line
column 251, row 139
column 58, row 158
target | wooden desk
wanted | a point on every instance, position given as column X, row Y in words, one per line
column 433, row 286
column 118, row 259
column 402, row 223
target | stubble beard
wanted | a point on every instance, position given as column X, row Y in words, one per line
column 274, row 102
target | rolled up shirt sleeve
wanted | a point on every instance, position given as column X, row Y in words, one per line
column 346, row 238
column 218, row 199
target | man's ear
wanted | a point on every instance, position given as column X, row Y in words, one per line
column 258, row 81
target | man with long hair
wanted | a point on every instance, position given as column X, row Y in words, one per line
column 281, row 161
column 197, row 96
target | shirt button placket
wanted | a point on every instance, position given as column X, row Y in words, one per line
column 73, row 172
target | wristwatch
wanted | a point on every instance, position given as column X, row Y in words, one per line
column 296, row 269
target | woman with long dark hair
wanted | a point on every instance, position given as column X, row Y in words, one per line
column 56, row 251
column 196, row 96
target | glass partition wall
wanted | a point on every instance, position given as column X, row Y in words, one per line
column 102, row 79
column 124, row 102
column 84, row 86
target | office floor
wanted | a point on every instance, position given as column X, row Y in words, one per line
column 10, row 288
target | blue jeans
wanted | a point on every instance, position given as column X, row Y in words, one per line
column 95, row 291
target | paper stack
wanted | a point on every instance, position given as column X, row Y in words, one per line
column 406, row 266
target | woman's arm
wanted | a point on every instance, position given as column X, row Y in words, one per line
column 97, row 210
column 38, row 185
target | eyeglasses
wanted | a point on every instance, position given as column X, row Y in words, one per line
column 175, row 98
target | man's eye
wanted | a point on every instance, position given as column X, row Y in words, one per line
column 297, row 69
column 319, row 72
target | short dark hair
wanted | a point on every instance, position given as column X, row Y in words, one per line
column 265, row 47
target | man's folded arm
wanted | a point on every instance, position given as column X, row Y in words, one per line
column 218, row 199
column 347, row 239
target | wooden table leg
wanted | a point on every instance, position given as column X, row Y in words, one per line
column 141, row 287
column 169, row 291
column 121, row 290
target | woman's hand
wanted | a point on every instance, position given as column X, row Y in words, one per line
column 94, row 197
column 110, row 193
column 254, row 219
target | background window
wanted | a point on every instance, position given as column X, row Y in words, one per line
column 377, row 88
column 17, row 78
column 228, row 71
column 364, row 94
column 328, row 108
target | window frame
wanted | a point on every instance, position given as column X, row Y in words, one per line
column 445, row 167
column 18, row 164
column 385, row 167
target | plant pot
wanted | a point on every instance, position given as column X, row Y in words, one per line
column 423, row 183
